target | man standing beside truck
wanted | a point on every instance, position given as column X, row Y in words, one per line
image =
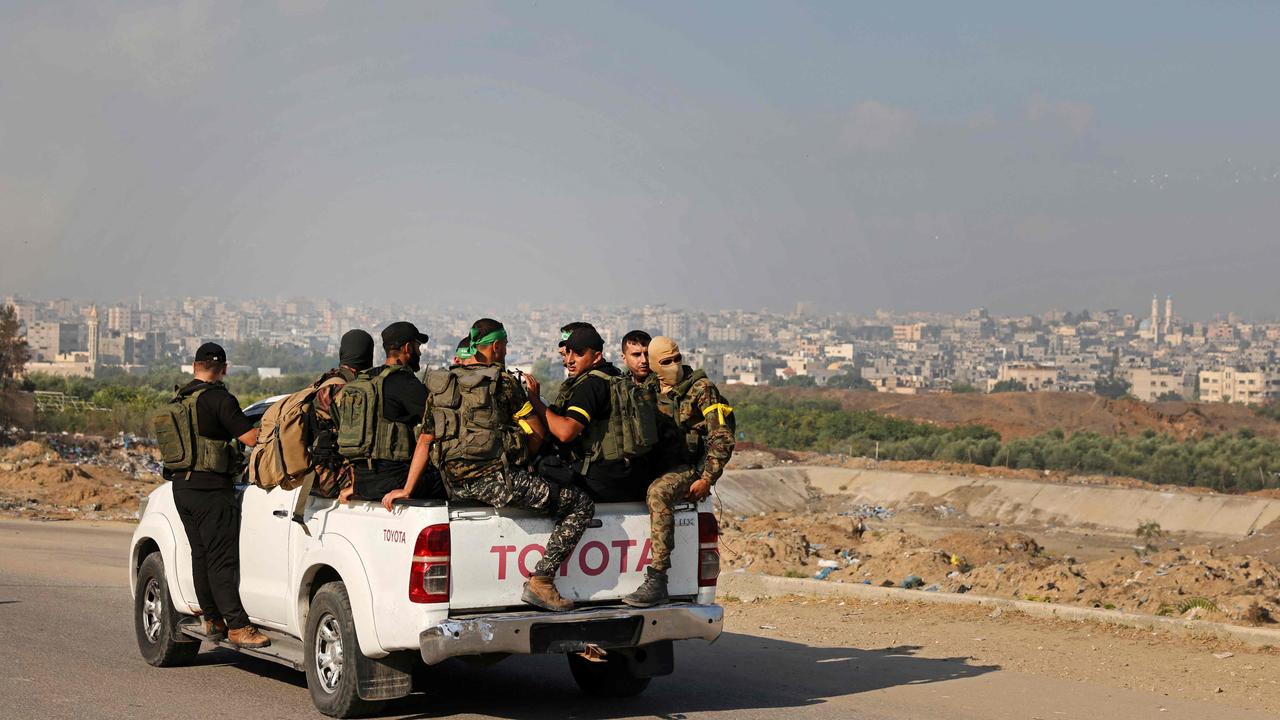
column 697, row 429
column 195, row 433
column 479, row 430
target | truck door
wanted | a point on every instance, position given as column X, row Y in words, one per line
column 265, row 533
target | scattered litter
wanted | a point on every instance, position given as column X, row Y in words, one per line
column 867, row 512
column 1224, row 655
column 912, row 581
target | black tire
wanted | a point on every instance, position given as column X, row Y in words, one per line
column 611, row 678
column 333, row 680
column 155, row 620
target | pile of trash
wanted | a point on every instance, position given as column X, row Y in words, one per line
column 1193, row 581
column 65, row 476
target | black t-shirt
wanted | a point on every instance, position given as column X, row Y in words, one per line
column 219, row 417
column 404, row 398
column 589, row 404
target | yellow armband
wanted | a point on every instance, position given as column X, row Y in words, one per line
column 720, row 409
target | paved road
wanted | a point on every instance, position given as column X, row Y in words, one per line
column 67, row 651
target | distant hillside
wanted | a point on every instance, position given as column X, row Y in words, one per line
column 1021, row 415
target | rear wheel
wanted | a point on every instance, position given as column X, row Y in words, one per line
column 611, row 678
column 155, row 620
column 331, row 653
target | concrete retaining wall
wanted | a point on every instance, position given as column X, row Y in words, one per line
column 1000, row 500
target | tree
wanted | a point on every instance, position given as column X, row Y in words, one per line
column 1112, row 388
column 851, row 380
column 14, row 352
column 1009, row 386
column 1169, row 396
column 961, row 388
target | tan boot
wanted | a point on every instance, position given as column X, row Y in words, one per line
column 215, row 629
column 248, row 637
column 541, row 592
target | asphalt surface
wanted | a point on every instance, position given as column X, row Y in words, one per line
column 67, row 650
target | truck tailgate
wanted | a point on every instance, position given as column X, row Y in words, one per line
column 495, row 550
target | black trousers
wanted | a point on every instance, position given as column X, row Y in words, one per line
column 212, row 521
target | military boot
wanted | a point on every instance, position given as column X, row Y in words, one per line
column 248, row 637
column 215, row 629
column 541, row 592
column 652, row 592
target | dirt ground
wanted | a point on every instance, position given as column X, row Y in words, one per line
column 1016, row 415
column 1203, row 669
column 938, row 550
column 90, row 480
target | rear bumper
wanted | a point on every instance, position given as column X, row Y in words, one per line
column 512, row 633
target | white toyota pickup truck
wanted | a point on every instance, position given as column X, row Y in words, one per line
column 356, row 596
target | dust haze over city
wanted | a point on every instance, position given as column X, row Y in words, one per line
column 924, row 356
column 846, row 154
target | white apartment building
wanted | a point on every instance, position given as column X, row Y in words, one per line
column 1035, row 377
column 1149, row 385
column 1233, row 385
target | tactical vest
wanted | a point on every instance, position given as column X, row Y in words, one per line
column 469, row 424
column 682, row 412
column 363, row 432
column 632, row 426
column 182, row 447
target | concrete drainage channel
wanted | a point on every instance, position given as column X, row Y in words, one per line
column 746, row 586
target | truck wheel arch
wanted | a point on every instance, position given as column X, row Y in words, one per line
column 154, row 534
column 338, row 560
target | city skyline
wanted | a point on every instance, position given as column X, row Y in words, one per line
column 1164, row 300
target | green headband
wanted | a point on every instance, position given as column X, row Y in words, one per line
column 465, row 353
column 489, row 339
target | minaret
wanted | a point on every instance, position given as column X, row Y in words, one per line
column 1168, row 315
column 1155, row 319
column 93, row 337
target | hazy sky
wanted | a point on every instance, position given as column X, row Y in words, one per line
column 735, row 154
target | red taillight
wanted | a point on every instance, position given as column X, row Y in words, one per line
column 708, row 549
column 429, row 573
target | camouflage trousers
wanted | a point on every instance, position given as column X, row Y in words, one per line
column 571, row 507
column 664, row 493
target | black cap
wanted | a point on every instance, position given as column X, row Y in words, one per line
column 356, row 350
column 567, row 330
column 211, row 352
column 399, row 333
column 583, row 338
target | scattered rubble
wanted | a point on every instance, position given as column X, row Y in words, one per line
column 71, row 476
column 1194, row 581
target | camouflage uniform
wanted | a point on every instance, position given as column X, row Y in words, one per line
column 520, row 488
column 697, row 430
column 510, row 484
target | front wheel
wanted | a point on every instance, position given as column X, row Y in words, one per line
column 612, row 678
column 331, row 654
column 155, row 620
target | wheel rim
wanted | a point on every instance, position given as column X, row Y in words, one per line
column 152, row 610
column 328, row 652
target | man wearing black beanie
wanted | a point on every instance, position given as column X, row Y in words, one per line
column 355, row 355
column 355, row 352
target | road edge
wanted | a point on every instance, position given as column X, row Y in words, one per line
column 747, row 586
